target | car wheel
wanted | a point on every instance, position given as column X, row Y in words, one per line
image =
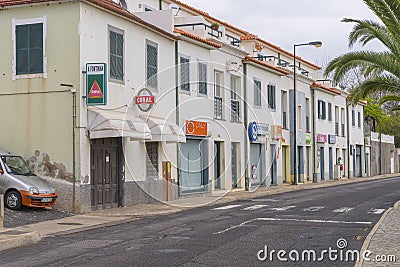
column 13, row 200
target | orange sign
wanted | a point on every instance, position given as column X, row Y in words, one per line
column 196, row 128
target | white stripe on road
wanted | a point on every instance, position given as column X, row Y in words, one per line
column 313, row 209
column 283, row 208
column 288, row 219
column 227, row 207
column 376, row 211
column 255, row 207
column 343, row 209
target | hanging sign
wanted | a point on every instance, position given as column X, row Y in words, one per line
column 196, row 128
column 145, row 100
column 252, row 131
column 322, row 138
column 276, row 132
column 96, row 84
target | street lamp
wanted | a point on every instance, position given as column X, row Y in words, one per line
column 316, row 44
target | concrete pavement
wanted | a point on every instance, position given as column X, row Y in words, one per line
column 383, row 238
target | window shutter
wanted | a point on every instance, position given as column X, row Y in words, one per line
column 120, row 57
column 202, row 78
column 29, row 48
column 152, row 65
column 329, row 112
column 257, row 93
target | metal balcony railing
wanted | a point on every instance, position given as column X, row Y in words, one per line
column 218, row 107
column 210, row 31
column 233, row 40
column 235, row 111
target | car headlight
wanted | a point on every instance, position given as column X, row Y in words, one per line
column 33, row 190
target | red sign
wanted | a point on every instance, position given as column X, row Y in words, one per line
column 196, row 128
column 95, row 91
column 322, row 138
column 145, row 99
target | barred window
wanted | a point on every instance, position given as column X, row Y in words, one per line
column 152, row 64
column 185, row 74
column 329, row 111
column 353, row 118
column 116, row 56
column 271, row 96
column 359, row 119
column 257, row 92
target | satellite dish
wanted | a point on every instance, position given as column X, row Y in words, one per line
column 175, row 9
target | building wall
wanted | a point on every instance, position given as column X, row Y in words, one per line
column 37, row 113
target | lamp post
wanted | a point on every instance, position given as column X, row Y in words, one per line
column 316, row 44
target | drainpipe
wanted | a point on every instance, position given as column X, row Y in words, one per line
column 245, row 121
column 73, row 91
column 177, row 113
column 160, row 4
column 315, row 178
column 365, row 149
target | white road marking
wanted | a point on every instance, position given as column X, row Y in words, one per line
column 255, row 207
column 287, row 219
column 264, row 200
column 376, row 211
column 283, row 208
column 227, row 207
column 343, row 209
column 313, row 209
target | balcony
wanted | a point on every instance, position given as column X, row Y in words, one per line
column 218, row 107
column 202, row 26
column 233, row 40
column 284, row 120
column 343, row 130
column 273, row 60
column 235, row 111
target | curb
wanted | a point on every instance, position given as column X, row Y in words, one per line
column 367, row 241
column 19, row 240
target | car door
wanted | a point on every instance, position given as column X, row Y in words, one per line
column 2, row 178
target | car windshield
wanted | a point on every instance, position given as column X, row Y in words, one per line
column 15, row 165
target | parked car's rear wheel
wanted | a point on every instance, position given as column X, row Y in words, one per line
column 13, row 200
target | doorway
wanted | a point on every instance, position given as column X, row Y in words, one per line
column 330, row 164
column 255, row 164
column 322, row 161
column 106, row 162
column 217, row 165
column 273, row 170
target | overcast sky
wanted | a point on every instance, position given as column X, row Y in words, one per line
column 286, row 22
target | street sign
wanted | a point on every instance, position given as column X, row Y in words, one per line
column 96, row 84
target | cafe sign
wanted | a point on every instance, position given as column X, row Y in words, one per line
column 196, row 128
column 145, row 100
column 96, row 84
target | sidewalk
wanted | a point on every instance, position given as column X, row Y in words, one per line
column 29, row 234
column 384, row 240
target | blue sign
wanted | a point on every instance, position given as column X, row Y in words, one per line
column 253, row 131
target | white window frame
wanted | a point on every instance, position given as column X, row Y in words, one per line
column 17, row 22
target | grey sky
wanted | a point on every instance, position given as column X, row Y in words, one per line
column 285, row 22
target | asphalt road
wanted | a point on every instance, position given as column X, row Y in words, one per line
column 231, row 234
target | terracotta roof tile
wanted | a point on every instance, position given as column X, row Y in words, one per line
column 197, row 38
column 330, row 89
column 106, row 4
column 249, row 58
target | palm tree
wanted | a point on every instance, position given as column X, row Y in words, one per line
column 381, row 70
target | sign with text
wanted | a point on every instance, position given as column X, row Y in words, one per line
column 322, row 138
column 332, row 139
column 262, row 129
column 145, row 100
column 196, row 128
column 276, row 132
column 96, row 84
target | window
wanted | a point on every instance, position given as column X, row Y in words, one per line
column 343, row 122
column 299, row 118
column 185, row 75
column 116, row 55
column 284, row 109
column 218, row 99
column 152, row 160
column 321, row 110
column 152, row 64
column 235, row 106
column 271, row 96
column 329, row 111
column 257, row 92
column 353, row 118
column 29, row 48
column 308, row 112
column 359, row 119
column 202, row 78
